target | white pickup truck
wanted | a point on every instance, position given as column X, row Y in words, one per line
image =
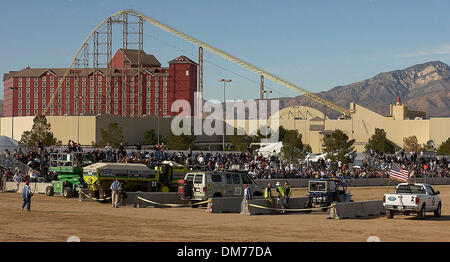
column 412, row 198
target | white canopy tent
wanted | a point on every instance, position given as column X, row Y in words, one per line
column 270, row 149
column 8, row 143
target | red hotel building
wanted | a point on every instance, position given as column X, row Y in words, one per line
column 116, row 90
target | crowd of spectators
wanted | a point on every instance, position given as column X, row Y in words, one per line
column 375, row 164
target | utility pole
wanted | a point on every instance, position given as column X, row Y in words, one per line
column 261, row 88
column 12, row 112
column 224, row 123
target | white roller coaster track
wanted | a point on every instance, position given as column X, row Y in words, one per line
column 116, row 17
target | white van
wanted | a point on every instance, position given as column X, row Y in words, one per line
column 199, row 186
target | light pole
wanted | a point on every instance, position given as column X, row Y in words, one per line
column 267, row 92
column 267, row 98
column 12, row 112
column 78, row 133
column 159, row 111
column 223, row 131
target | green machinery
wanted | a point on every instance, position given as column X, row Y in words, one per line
column 68, row 168
column 135, row 177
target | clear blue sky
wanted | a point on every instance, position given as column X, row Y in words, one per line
column 314, row 44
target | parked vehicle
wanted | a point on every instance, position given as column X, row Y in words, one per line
column 201, row 185
column 323, row 192
column 412, row 198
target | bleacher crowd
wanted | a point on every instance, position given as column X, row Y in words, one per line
column 375, row 165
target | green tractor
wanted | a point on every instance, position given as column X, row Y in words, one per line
column 68, row 168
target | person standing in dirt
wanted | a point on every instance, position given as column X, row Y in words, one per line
column 287, row 194
column 268, row 196
column 280, row 190
column 115, row 193
column 26, row 194
column 122, row 193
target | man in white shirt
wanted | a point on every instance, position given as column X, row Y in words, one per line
column 115, row 193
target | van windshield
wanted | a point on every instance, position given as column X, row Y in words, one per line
column 198, row 179
column 190, row 178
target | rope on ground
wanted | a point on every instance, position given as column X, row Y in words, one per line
column 170, row 205
column 93, row 198
column 292, row 209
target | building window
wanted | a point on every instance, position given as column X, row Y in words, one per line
column 156, row 83
column 44, row 84
column 20, row 84
column 164, row 95
column 52, row 84
column 19, row 112
column 164, row 83
column 52, row 78
column 36, row 95
column 43, row 78
column 187, row 72
column 149, row 78
column 36, row 84
column 165, row 112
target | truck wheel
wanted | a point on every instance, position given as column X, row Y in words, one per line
column 67, row 192
column 191, row 205
column 49, row 191
column 437, row 213
column 308, row 205
column 389, row 214
column 421, row 214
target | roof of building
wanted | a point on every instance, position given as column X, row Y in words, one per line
column 182, row 60
column 147, row 60
column 59, row 72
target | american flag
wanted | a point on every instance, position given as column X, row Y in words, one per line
column 398, row 173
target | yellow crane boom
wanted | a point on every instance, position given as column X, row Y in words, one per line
column 216, row 51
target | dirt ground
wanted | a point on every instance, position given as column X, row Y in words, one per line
column 56, row 218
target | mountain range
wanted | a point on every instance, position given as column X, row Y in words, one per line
column 424, row 87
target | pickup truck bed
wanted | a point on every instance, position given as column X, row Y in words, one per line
column 412, row 198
